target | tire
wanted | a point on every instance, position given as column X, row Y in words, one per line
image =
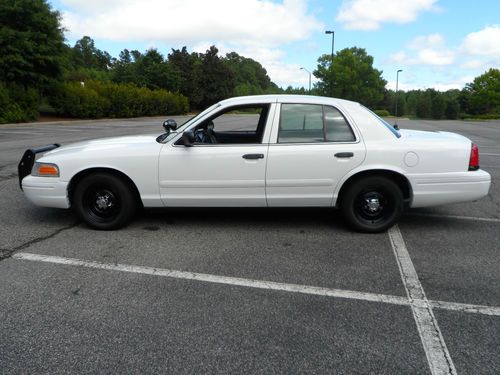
column 104, row 201
column 372, row 204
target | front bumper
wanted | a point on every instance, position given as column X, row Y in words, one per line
column 46, row 191
column 28, row 159
column 443, row 188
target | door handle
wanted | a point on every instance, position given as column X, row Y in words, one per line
column 344, row 154
column 253, row 156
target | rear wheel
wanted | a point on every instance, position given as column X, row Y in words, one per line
column 372, row 204
column 104, row 201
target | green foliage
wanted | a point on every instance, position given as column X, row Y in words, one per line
column 108, row 99
column 483, row 94
column 382, row 112
column 17, row 104
column 217, row 81
column 150, row 70
column 31, row 43
column 248, row 73
column 351, row 76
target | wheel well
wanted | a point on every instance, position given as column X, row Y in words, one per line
column 82, row 174
column 398, row 178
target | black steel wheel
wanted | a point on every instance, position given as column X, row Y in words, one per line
column 104, row 201
column 372, row 204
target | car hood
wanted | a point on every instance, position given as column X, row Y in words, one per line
column 106, row 144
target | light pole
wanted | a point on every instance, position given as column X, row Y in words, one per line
column 331, row 62
column 309, row 77
column 397, row 82
column 333, row 39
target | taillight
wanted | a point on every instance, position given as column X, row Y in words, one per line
column 474, row 158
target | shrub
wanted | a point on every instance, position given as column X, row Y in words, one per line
column 17, row 104
column 97, row 99
column 382, row 112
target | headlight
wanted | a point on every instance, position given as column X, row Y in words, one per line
column 45, row 170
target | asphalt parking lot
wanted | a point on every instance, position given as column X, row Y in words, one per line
column 253, row 290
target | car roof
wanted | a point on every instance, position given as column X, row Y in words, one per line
column 254, row 99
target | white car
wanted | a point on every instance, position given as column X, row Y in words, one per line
column 261, row 151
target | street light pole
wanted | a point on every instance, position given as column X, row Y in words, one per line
column 333, row 39
column 309, row 77
column 331, row 62
column 397, row 82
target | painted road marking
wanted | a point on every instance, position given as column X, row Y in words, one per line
column 488, row 219
column 259, row 284
column 438, row 357
column 485, row 153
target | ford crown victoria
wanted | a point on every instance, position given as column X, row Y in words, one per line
column 260, row 151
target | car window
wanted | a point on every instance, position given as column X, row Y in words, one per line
column 311, row 123
column 243, row 119
column 336, row 127
column 235, row 125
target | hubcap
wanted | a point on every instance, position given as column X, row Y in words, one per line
column 372, row 206
column 104, row 201
column 102, row 204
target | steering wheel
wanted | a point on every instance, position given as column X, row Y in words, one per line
column 205, row 134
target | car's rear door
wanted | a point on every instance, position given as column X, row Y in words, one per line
column 312, row 148
column 230, row 172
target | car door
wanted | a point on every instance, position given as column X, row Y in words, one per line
column 228, row 170
column 312, row 148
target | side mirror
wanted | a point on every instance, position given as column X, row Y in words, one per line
column 187, row 138
column 169, row 125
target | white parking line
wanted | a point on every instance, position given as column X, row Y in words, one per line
column 438, row 357
column 485, row 153
column 260, row 284
column 488, row 219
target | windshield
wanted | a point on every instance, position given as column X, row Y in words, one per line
column 385, row 123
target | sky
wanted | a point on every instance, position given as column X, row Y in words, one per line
column 441, row 44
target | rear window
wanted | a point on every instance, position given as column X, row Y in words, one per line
column 312, row 123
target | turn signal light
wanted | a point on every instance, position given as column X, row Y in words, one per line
column 474, row 158
column 45, row 170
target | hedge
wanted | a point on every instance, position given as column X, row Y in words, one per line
column 107, row 99
column 17, row 104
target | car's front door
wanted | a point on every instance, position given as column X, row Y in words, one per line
column 314, row 147
column 224, row 167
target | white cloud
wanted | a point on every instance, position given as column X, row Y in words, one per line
column 480, row 50
column 425, row 50
column 244, row 21
column 252, row 28
column 485, row 42
column 370, row 14
column 271, row 59
column 457, row 83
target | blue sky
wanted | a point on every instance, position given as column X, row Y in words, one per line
column 437, row 43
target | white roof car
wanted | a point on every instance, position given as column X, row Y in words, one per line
column 261, row 151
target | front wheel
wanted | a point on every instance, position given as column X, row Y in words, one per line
column 104, row 201
column 372, row 204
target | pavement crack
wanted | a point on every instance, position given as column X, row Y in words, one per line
column 7, row 253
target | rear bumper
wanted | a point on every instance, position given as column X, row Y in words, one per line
column 443, row 188
column 46, row 191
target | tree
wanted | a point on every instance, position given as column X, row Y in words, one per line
column 189, row 67
column 350, row 75
column 31, row 43
column 484, row 93
column 217, row 80
column 250, row 76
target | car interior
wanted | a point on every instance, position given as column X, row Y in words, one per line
column 236, row 125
